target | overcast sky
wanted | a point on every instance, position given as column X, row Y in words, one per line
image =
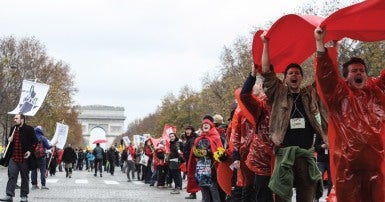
column 131, row 53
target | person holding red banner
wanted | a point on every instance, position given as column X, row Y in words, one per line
column 241, row 137
column 296, row 116
column 253, row 102
column 356, row 106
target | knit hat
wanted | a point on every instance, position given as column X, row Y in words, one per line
column 218, row 119
column 208, row 121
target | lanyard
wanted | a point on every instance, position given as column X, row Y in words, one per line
column 296, row 108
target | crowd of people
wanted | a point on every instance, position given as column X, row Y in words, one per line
column 276, row 141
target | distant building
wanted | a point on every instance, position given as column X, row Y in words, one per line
column 101, row 122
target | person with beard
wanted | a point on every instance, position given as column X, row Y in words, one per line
column 202, row 165
column 296, row 116
column 356, row 106
column 22, row 140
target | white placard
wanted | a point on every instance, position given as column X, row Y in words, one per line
column 31, row 98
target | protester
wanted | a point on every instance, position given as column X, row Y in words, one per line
column 69, row 158
column 160, row 163
column 323, row 161
column 138, row 158
column 22, row 140
column 53, row 161
column 356, row 106
column 90, row 159
column 130, row 162
column 202, row 165
column 253, row 101
column 98, row 152
column 295, row 117
column 241, row 136
column 149, row 151
column 80, row 159
column 41, row 162
column 174, row 161
column 190, row 138
column 111, row 158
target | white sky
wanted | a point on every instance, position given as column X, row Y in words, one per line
column 131, row 53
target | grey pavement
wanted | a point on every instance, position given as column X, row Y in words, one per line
column 84, row 187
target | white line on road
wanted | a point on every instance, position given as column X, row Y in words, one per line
column 81, row 181
column 52, row 180
column 110, row 182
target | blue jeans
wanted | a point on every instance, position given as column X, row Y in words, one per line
column 41, row 164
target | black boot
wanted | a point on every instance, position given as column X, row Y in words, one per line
column 192, row 196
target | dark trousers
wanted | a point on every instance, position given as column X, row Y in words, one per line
column 112, row 168
column 13, row 173
column 177, row 177
column 98, row 165
column 262, row 191
column 41, row 163
column 210, row 193
column 304, row 186
column 162, row 173
column 325, row 167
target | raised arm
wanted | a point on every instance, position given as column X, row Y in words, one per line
column 319, row 35
column 265, row 53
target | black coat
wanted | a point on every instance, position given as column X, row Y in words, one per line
column 28, row 141
column 69, row 155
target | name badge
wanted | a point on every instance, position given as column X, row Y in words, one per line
column 296, row 123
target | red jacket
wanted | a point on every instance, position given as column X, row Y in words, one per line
column 215, row 142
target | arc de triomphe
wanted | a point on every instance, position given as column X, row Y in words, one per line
column 101, row 122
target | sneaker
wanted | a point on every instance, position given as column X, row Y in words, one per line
column 176, row 191
column 44, row 187
column 128, row 180
column 24, row 199
column 6, row 198
column 95, row 174
column 101, row 175
column 192, row 196
column 35, row 187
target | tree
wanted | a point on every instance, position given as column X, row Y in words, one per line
column 30, row 61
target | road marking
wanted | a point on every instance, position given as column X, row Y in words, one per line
column 110, row 182
column 137, row 182
column 81, row 181
column 52, row 180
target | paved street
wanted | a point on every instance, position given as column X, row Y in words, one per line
column 84, row 187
